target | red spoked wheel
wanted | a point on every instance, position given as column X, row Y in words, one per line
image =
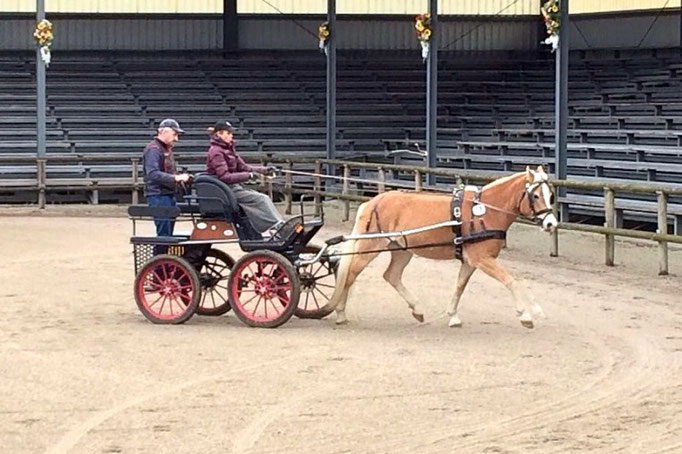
column 167, row 290
column 317, row 285
column 263, row 289
column 214, row 275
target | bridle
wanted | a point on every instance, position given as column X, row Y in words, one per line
column 537, row 216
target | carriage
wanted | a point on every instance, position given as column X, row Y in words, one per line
column 183, row 274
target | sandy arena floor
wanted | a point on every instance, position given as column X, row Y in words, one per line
column 83, row 371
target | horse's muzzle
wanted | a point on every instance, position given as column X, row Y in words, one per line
column 549, row 223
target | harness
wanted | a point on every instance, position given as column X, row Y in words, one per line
column 477, row 210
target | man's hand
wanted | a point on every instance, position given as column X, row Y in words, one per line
column 182, row 178
column 253, row 178
column 272, row 171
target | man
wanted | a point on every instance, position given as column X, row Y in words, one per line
column 223, row 162
column 160, row 173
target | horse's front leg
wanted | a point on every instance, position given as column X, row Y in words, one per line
column 493, row 269
column 465, row 272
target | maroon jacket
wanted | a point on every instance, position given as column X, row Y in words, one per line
column 223, row 162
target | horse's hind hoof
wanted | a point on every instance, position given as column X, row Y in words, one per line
column 527, row 324
column 419, row 317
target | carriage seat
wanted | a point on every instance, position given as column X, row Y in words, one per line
column 217, row 201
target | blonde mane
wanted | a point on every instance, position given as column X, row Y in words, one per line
column 501, row 181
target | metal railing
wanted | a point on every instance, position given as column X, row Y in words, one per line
column 324, row 169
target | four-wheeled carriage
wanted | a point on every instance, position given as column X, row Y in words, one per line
column 179, row 275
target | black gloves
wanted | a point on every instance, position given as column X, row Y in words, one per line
column 253, row 178
column 272, row 171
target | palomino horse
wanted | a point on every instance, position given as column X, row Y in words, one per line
column 526, row 194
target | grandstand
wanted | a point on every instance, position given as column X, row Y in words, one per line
column 495, row 102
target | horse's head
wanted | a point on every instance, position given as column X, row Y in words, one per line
column 538, row 199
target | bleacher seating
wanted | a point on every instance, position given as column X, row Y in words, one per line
column 494, row 114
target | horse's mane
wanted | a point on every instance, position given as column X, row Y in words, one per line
column 502, row 180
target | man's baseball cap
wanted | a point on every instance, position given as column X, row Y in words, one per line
column 223, row 125
column 170, row 123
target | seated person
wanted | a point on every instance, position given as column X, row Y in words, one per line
column 223, row 163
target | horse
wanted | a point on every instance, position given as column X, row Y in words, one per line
column 527, row 194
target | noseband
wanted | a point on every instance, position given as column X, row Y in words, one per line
column 537, row 216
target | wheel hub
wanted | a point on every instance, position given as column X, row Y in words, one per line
column 170, row 287
column 264, row 287
column 307, row 280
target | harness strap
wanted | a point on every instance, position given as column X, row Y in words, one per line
column 475, row 237
column 456, row 212
column 481, row 236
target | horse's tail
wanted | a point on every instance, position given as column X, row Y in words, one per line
column 341, row 290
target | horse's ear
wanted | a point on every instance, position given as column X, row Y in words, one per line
column 529, row 175
column 540, row 169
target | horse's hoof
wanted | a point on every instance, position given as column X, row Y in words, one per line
column 539, row 313
column 341, row 321
column 418, row 317
column 455, row 322
column 527, row 324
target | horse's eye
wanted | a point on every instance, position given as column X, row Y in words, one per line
column 551, row 199
column 535, row 197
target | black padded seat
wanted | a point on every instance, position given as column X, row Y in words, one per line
column 217, row 201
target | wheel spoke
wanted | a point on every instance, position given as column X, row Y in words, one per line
column 315, row 299
column 272, row 303
column 179, row 302
column 307, row 297
column 284, row 298
column 249, row 301
column 320, row 277
column 318, row 268
column 157, row 274
column 320, row 284
column 321, row 293
column 164, row 272
column 163, row 303
column 171, row 271
column 253, row 273
column 152, row 291
column 215, row 269
column 260, row 298
column 185, row 298
column 216, row 294
column 155, row 301
column 280, row 277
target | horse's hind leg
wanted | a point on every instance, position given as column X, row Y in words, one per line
column 394, row 274
column 493, row 269
column 358, row 262
column 465, row 272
